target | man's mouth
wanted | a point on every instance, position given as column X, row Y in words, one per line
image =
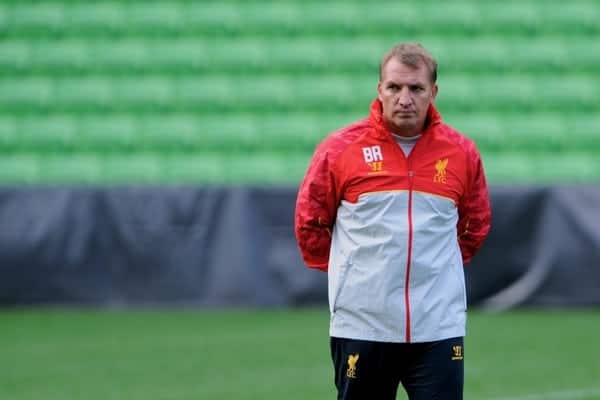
column 404, row 113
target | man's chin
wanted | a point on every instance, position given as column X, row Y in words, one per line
column 405, row 125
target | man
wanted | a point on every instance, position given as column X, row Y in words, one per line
column 392, row 206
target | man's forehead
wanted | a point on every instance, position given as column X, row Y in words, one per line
column 395, row 70
column 407, row 78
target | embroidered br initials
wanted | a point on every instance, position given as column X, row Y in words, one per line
column 372, row 153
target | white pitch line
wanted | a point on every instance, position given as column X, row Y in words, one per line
column 575, row 394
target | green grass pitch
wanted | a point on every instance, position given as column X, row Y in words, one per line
column 55, row 354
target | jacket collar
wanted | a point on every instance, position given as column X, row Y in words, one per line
column 376, row 116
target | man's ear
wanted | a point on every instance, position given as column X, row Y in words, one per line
column 434, row 91
column 379, row 89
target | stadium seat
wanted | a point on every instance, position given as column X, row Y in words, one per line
column 15, row 55
column 25, row 94
column 106, row 16
column 38, row 17
column 9, row 133
column 20, row 169
column 48, row 135
column 114, row 133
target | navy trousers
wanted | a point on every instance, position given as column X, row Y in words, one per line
column 366, row 370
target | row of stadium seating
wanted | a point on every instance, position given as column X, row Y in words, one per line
column 267, row 93
column 296, row 17
column 296, row 132
column 251, row 55
column 259, row 168
column 241, row 91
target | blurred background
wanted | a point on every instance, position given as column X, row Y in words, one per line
column 150, row 153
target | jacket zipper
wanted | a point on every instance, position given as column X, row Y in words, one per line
column 409, row 253
column 410, row 232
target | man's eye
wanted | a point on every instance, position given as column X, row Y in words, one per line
column 417, row 88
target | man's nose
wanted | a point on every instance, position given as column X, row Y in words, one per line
column 403, row 97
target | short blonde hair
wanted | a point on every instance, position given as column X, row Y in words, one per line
column 412, row 55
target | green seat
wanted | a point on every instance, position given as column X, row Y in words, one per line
column 184, row 55
column 524, row 167
column 94, row 93
column 181, row 132
column 9, row 133
column 20, row 169
column 25, row 94
column 32, row 168
column 15, row 55
column 114, row 133
column 37, row 17
column 91, row 17
column 141, row 168
column 143, row 92
column 54, row 55
column 50, row 134
column 155, row 17
column 128, row 55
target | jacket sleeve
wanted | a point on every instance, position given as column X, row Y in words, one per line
column 316, row 207
column 474, row 211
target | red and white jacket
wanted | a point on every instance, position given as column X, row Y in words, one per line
column 393, row 231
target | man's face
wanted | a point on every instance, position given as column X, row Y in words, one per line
column 405, row 94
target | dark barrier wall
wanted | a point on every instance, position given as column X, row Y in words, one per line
column 235, row 246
